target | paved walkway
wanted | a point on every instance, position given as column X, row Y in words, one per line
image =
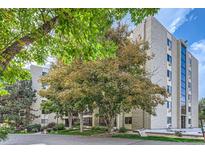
column 44, row 139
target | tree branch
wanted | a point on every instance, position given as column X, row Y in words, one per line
column 11, row 51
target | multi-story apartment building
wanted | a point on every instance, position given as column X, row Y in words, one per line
column 172, row 67
column 175, row 68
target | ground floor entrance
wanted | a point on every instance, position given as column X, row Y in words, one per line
column 183, row 121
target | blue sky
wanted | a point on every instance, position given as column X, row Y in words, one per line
column 188, row 24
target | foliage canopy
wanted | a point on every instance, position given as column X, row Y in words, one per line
column 31, row 35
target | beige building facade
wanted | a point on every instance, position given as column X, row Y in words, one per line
column 174, row 68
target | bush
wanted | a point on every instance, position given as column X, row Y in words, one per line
column 178, row 133
column 59, row 127
column 3, row 133
column 21, row 132
column 34, row 128
column 12, row 130
column 122, row 130
column 51, row 125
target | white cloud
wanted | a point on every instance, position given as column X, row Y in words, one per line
column 192, row 18
column 172, row 19
column 198, row 47
column 198, row 50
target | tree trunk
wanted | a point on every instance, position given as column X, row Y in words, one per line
column 123, row 119
column 81, row 121
column 57, row 118
column 70, row 120
column 110, row 125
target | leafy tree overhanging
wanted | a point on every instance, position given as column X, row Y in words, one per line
column 29, row 35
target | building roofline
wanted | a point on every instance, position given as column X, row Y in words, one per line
column 181, row 40
column 163, row 26
column 193, row 56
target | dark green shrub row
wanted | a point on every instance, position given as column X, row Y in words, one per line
column 53, row 126
column 122, row 130
column 34, row 128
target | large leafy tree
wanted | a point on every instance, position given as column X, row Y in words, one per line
column 114, row 85
column 54, row 80
column 71, row 101
column 16, row 106
column 33, row 34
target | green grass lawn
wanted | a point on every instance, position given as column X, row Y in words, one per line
column 93, row 131
column 156, row 138
column 97, row 131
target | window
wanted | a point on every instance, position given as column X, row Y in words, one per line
column 183, row 79
column 189, row 109
column 87, row 121
column 169, row 89
column 190, row 62
column 183, row 99
column 189, row 97
column 169, row 74
column 44, row 121
column 169, row 58
column 183, row 84
column 183, row 65
column 183, row 91
column 189, row 121
column 44, row 85
column 169, row 43
column 22, row 113
column 169, row 120
column 189, row 85
column 169, row 104
column 189, row 73
column 128, row 120
column 44, row 73
column 43, row 112
column 183, row 72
